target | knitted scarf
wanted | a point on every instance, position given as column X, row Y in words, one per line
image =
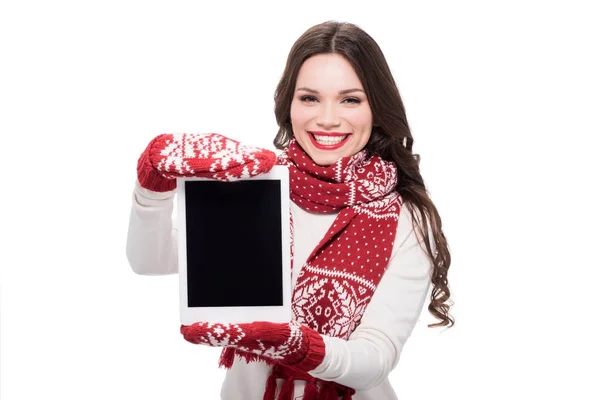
column 339, row 277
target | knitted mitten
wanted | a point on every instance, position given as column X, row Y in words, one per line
column 291, row 344
column 205, row 155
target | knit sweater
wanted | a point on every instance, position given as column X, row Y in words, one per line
column 364, row 361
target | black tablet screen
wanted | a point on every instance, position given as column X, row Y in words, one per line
column 233, row 238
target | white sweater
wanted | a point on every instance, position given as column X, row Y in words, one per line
column 373, row 349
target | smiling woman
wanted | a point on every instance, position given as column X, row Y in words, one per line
column 367, row 239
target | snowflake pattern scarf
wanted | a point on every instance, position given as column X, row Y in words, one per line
column 339, row 277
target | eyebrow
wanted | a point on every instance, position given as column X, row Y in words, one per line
column 346, row 91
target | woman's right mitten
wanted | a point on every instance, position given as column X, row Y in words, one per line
column 205, row 155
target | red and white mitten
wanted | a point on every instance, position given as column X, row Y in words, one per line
column 205, row 155
column 291, row 344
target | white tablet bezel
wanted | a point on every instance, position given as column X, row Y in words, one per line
column 189, row 315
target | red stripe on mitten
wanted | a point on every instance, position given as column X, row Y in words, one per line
column 291, row 344
column 205, row 155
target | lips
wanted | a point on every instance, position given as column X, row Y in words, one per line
column 328, row 140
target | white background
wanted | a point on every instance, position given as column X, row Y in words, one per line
column 503, row 99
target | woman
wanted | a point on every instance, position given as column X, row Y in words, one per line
column 367, row 240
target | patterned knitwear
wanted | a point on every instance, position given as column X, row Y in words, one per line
column 206, row 155
column 335, row 283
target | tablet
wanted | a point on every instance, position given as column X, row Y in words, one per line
column 234, row 249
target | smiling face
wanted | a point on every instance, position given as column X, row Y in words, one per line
column 330, row 115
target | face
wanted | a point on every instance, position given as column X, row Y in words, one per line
column 330, row 115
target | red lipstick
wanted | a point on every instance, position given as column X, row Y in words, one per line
column 333, row 146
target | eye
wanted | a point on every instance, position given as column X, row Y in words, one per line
column 352, row 100
column 308, row 99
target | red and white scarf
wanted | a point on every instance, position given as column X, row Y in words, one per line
column 338, row 279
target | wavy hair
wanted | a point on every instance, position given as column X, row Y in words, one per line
column 391, row 138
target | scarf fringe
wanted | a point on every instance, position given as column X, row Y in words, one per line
column 329, row 392
column 270, row 388
column 228, row 357
column 311, row 390
column 287, row 390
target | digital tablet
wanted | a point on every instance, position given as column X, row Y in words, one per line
column 234, row 249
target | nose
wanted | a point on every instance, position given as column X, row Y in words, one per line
column 328, row 116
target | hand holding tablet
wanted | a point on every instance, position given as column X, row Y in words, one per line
column 291, row 344
column 206, row 155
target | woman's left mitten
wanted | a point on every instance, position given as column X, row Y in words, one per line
column 291, row 344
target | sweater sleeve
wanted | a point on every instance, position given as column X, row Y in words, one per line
column 373, row 349
column 151, row 239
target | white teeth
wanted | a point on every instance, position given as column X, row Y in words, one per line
column 329, row 140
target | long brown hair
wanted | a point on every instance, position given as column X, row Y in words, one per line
column 391, row 138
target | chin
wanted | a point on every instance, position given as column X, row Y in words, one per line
column 325, row 160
